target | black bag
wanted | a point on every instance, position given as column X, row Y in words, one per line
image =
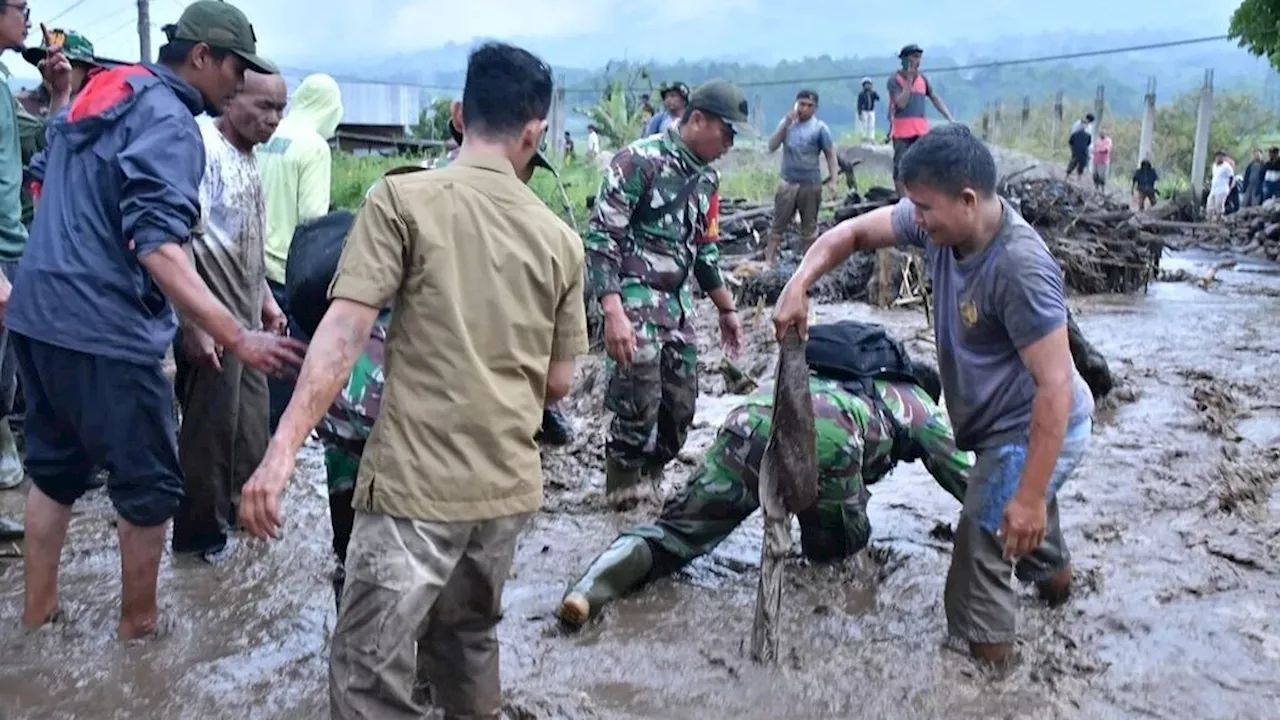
column 857, row 353
column 310, row 267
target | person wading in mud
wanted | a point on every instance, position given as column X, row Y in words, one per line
column 860, row 438
column 653, row 229
column 225, row 405
column 804, row 139
column 450, row 472
column 908, row 89
column 90, row 311
column 1013, row 393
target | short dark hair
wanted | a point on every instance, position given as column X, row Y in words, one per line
column 1088, row 116
column 506, row 87
column 174, row 53
column 808, row 95
column 926, row 376
column 949, row 158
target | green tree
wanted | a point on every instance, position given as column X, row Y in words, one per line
column 617, row 113
column 1256, row 25
column 1238, row 121
column 433, row 121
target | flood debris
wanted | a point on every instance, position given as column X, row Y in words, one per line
column 1216, row 406
column 1244, row 484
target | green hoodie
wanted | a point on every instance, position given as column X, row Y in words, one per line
column 295, row 166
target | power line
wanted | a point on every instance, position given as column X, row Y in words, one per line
column 73, row 6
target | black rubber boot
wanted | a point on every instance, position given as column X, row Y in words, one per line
column 556, row 429
column 621, row 567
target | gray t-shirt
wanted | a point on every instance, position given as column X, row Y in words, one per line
column 802, row 149
column 986, row 307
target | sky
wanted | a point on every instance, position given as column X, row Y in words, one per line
column 333, row 34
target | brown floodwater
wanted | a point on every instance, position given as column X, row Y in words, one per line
column 1170, row 519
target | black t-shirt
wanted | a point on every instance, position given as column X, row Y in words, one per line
column 1145, row 178
column 867, row 100
column 1080, row 142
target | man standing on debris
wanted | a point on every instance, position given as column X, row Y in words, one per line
column 1085, row 123
column 675, row 97
column 295, row 165
column 1144, row 185
column 1271, row 174
column 804, row 139
column 224, row 403
column 90, row 316
column 867, row 100
column 1101, row 160
column 861, row 437
column 450, row 472
column 1079, row 143
column 1221, row 176
column 655, row 225
column 1013, row 392
column 1253, row 179
column 908, row 89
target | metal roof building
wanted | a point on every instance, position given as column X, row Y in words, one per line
column 368, row 103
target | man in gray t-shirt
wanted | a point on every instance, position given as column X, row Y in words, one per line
column 1009, row 383
column 804, row 139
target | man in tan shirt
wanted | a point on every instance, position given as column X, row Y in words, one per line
column 486, row 283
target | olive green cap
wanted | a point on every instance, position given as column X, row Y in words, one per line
column 724, row 100
column 223, row 26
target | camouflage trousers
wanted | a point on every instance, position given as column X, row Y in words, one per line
column 341, row 466
column 722, row 492
column 653, row 401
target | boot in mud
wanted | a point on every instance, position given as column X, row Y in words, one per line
column 624, row 487
column 621, row 567
column 11, row 474
column 1057, row 589
column 556, row 429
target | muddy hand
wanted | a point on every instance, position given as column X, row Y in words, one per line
column 731, row 334
column 260, row 498
column 619, row 337
column 792, row 310
column 272, row 354
column 1023, row 526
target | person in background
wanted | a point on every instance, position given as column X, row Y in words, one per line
column 1271, row 174
column 908, row 89
column 867, row 100
column 1220, row 177
column 1013, row 392
column 1252, row 183
column 674, row 99
column 804, row 139
column 451, row 471
column 90, row 317
column 646, row 109
column 1101, row 160
column 568, row 144
column 295, row 165
column 1085, row 123
column 1079, row 143
column 224, row 403
column 1144, row 185
column 593, row 142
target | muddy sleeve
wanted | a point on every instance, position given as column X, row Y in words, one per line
column 621, row 188
column 936, row 442
column 906, row 230
column 372, row 264
column 1029, row 296
column 160, row 193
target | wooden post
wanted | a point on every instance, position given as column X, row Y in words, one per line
column 756, row 119
column 555, row 124
column 1099, row 104
column 1026, row 112
column 997, row 122
column 144, row 30
column 1204, row 119
column 1148, row 121
column 986, row 122
column 1057, row 115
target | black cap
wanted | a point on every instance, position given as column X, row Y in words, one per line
column 911, row 49
column 724, row 100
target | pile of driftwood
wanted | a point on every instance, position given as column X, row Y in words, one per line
column 1252, row 231
column 744, row 226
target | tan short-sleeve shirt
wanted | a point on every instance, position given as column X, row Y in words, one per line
column 486, row 283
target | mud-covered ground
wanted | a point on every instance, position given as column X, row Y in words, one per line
column 1170, row 519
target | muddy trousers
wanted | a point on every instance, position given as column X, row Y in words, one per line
column 222, row 439
column 653, row 402
column 790, row 198
column 439, row 584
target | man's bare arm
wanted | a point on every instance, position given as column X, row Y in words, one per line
column 337, row 345
column 833, row 165
column 942, row 107
column 1049, row 362
column 559, row 380
column 775, row 140
column 871, row 231
column 169, row 266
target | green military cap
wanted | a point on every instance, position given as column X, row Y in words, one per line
column 75, row 47
column 724, row 100
column 223, row 26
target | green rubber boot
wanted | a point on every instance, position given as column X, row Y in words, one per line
column 621, row 567
column 624, row 487
column 11, row 473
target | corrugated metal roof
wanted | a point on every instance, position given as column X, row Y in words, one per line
column 375, row 103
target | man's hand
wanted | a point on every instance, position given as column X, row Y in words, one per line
column 731, row 334
column 6, row 289
column 260, row 498
column 1023, row 525
column 273, row 319
column 619, row 337
column 199, row 348
column 792, row 116
column 272, row 354
column 791, row 310
column 55, row 68
column 832, row 190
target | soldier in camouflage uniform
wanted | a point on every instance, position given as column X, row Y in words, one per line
column 654, row 229
column 858, row 444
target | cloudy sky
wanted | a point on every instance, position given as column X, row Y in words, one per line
column 331, row 34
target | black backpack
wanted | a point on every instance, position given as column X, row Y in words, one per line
column 855, row 354
column 312, row 263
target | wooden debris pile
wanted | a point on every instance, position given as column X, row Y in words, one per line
column 744, row 226
column 1252, row 231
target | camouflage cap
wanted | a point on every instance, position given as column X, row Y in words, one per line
column 223, row 26
column 539, row 159
column 675, row 87
column 724, row 100
column 75, row 47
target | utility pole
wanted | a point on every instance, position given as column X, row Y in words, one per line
column 1203, row 119
column 144, row 30
column 1148, row 121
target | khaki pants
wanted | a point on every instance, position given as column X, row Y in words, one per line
column 437, row 583
column 791, row 197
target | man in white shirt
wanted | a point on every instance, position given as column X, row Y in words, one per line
column 1223, row 172
column 593, row 141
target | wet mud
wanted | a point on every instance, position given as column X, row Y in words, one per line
column 1172, row 520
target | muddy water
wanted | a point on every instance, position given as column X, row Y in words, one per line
column 1175, row 614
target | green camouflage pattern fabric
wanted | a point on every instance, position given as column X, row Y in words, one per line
column 341, row 466
column 652, row 401
column 854, row 448
column 650, row 263
column 351, row 416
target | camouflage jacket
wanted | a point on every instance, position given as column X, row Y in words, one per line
column 646, row 257
column 353, row 412
column 855, row 449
